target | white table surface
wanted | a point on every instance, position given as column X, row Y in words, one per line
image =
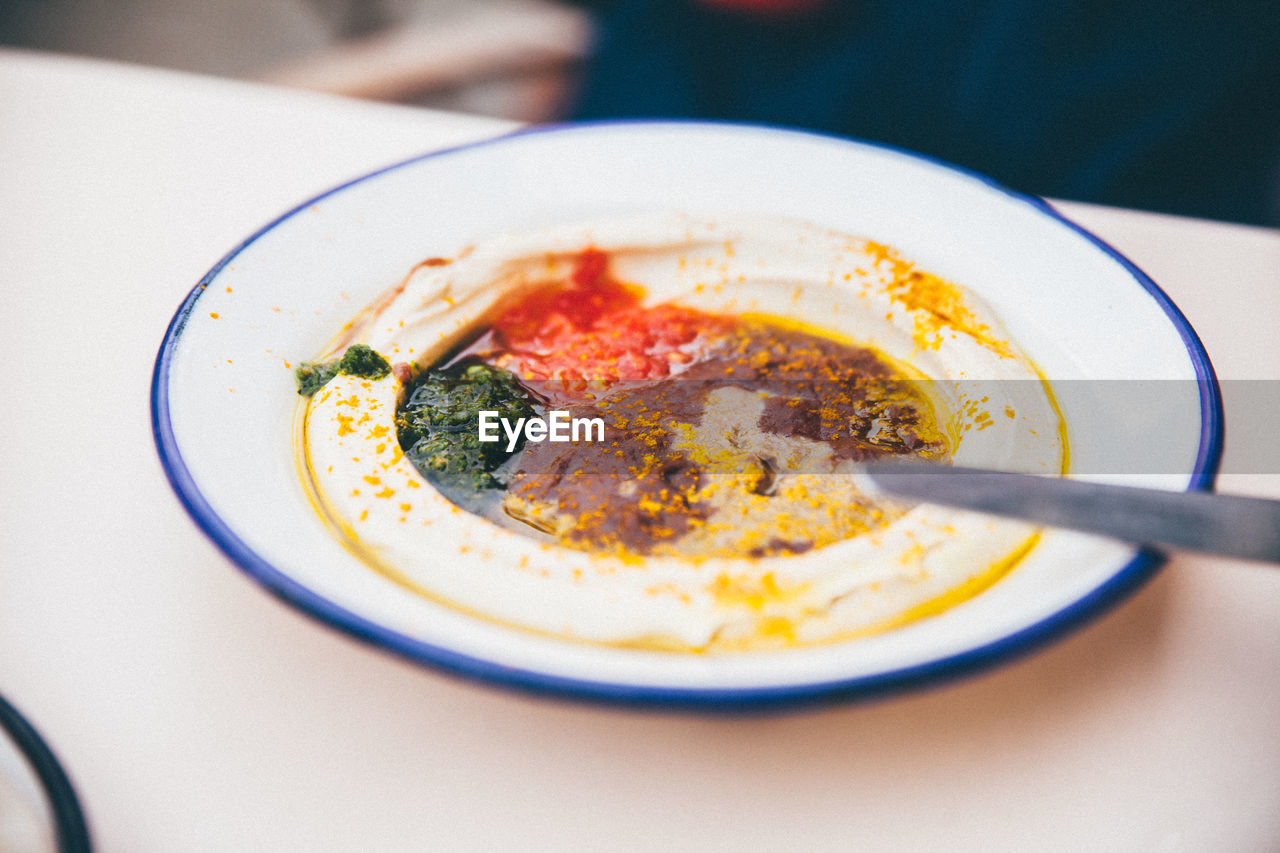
column 195, row 712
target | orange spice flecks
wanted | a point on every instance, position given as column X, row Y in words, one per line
column 743, row 589
column 938, row 304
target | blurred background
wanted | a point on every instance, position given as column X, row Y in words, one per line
column 507, row 58
column 1169, row 106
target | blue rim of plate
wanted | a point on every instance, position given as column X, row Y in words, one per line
column 1119, row 586
column 68, row 820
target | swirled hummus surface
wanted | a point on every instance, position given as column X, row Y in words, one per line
column 741, row 370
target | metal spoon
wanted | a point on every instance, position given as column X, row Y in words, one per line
column 1230, row 525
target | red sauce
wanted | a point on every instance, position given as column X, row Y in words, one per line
column 593, row 327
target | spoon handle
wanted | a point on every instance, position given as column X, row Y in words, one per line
column 1230, row 525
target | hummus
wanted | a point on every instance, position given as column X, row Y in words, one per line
column 849, row 564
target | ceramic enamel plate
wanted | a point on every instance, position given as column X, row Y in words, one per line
column 224, row 401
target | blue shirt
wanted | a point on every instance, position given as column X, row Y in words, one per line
column 1170, row 106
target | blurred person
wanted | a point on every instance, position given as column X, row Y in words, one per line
column 1170, row 106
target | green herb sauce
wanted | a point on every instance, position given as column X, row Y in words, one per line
column 358, row 360
column 438, row 426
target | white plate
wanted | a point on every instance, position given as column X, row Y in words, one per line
column 223, row 399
